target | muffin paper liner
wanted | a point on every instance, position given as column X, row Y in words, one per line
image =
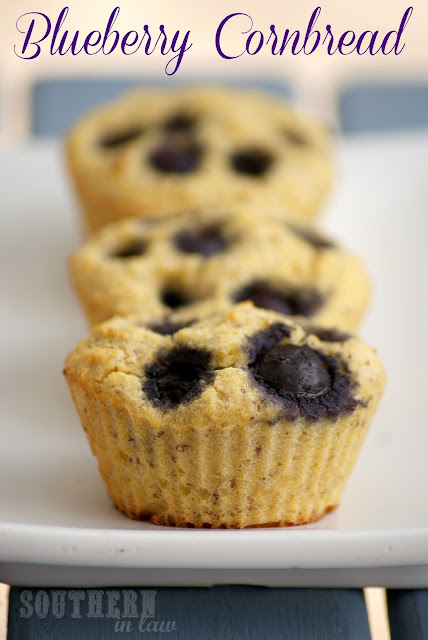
column 220, row 476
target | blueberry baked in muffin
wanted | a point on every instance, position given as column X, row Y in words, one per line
column 202, row 262
column 242, row 419
column 159, row 152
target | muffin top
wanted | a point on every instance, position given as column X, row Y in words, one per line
column 206, row 260
column 162, row 151
column 248, row 364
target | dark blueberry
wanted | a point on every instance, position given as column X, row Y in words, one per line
column 296, row 138
column 180, row 123
column 307, row 383
column 313, row 238
column 173, row 299
column 123, row 137
column 177, row 155
column 131, row 250
column 328, row 335
column 252, row 162
column 265, row 297
column 207, row 241
column 294, row 370
column 168, row 328
column 268, row 338
column 303, row 302
column 178, row 376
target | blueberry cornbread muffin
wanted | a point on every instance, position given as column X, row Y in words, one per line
column 205, row 261
column 243, row 419
column 160, row 152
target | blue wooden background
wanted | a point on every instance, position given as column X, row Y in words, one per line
column 56, row 104
column 216, row 613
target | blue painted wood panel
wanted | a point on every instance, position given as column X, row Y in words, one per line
column 56, row 104
column 217, row 613
column 383, row 107
column 408, row 614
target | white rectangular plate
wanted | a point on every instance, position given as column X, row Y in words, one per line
column 57, row 525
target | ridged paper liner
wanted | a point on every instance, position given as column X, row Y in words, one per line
column 279, row 474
